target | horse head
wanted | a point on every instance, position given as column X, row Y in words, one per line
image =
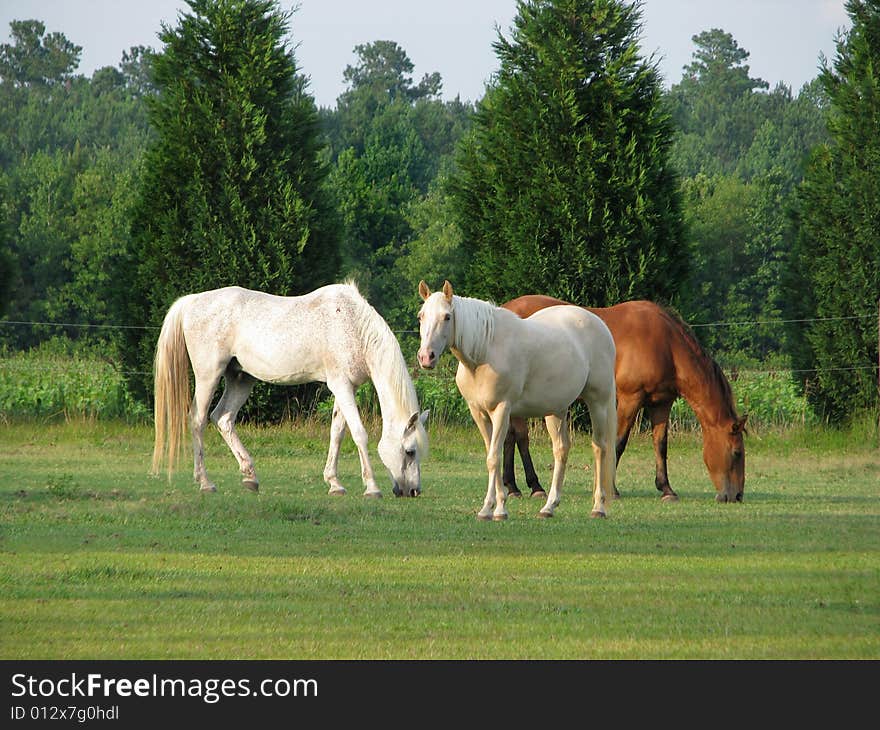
column 403, row 452
column 725, row 457
column 436, row 324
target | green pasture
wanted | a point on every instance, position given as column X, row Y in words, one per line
column 98, row 560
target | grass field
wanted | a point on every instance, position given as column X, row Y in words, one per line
column 100, row 561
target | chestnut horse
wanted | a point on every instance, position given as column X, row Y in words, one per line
column 658, row 360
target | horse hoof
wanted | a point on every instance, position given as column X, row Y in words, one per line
column 373, row 495
column 597, row 513
column 499, row 518
column 616, row 495
column 336, row 491
column 544, row 515
column 669, row 498
column 539, row 493
column 484, row 518
column 514, row 493
column 208, row 488
column 251, row 484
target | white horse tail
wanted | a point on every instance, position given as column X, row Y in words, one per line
column 171, row 388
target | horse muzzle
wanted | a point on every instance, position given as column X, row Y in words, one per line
column 427, row 359
column 413, row 491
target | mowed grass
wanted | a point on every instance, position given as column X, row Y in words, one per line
column 98, row 560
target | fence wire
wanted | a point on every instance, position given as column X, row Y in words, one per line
column 81, row 325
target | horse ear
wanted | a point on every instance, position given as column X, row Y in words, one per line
column 424, row 417
column 739, row 426
column 447, row 291
column 424, row 292
column 411, row 424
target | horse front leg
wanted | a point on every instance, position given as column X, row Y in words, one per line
column 484, row 424
column 560, row 438
column 344, row 394
column 500, row 422
column 337, row 433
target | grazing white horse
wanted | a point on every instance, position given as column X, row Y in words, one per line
column 331, row 335
column 531, row 367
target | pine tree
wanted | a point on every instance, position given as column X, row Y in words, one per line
column 564, row 185
column 233, row 188
column 837, row 258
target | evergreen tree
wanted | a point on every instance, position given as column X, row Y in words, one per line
column 837, row 260
column 727, row 124
column 233, row 187
column 564, row 185
column 389, row 138
column 35, row 58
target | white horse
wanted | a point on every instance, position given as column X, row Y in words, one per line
column 531, row 367
column 331, row 335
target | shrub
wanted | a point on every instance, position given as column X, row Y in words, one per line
column 56, row 380
column 771, row 398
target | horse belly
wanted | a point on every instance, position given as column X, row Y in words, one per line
column 541, row 398
column 552, row 384
column 282, row 362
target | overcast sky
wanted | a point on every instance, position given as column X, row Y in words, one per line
column 454, row 37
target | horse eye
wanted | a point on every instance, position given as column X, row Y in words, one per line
column 448, row 317
column 411, row 453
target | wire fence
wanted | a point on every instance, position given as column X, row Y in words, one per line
column 740, row 323
column 79, row 383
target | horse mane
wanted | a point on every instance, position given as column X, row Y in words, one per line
column 474, row 327
column 378, row 338
column 711, row 369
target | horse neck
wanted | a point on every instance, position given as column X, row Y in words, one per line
column 474, row 330
column 388, row 373
column 703, row 385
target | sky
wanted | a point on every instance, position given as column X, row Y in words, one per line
column 454, row 37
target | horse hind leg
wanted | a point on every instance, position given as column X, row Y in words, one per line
column 206, row 384
column 628, row 407
column 560, row 437
column 659, row 416
column 509, row 478
column 522, row 443
column 518, row 438
column 603, row 420
column 236, row 391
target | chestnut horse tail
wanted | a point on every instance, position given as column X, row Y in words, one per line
column 171, row 388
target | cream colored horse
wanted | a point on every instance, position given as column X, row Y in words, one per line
column 331, row 335
column 532, row 367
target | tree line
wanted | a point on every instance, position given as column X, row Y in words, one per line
column 207, row 163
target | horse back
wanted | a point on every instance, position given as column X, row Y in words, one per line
column 586, row 331
column 650, row 349
column 648, row 340
column 275, row 338
column 572, row 346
